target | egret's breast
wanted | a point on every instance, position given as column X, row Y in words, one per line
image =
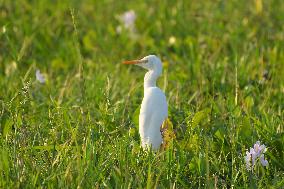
column 154, row 100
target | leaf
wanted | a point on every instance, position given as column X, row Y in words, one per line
column 192, row 144
column 200, row 116
column 7, row 127
column 193, row 166
column 198, row 165
column 237, row 111
column 219, row 134
column 249, row 102
column 89, row 40
column 57, row 64
column 245, row 128
column 5, row 123
column 4, row 161
column 135, row 116
column 258, row 6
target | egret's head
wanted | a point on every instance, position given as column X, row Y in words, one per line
column 150, row 62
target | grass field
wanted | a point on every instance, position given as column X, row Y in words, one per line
column 223, row 77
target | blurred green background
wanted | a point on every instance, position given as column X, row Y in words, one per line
column 223, row 78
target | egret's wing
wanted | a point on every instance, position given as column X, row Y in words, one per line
column 154, row 109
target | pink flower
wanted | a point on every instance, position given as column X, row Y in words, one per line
column 40, row 77
column 248, row 160
column 127, row 20
column 255, row 153
column 263, row 161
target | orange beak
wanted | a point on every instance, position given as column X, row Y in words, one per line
column 134, row 62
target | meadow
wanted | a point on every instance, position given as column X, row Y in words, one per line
column 223, row 77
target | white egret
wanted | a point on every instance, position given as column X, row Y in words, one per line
column 154, row 108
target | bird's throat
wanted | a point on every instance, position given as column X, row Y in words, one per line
column 150, row 79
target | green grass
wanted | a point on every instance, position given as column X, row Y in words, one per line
column 223, row 78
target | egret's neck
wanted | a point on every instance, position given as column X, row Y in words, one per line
column 150, row 79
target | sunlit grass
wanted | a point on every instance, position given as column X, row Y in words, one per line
column 223, row 78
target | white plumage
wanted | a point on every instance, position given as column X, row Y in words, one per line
column 154, row 108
